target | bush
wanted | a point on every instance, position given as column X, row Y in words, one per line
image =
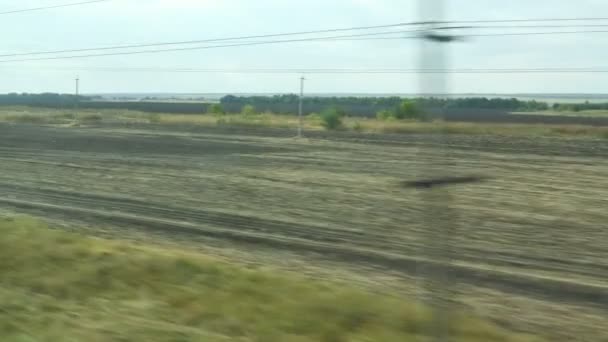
column 385, row 114
column 248, row 110
column 215, row 109
column 408, row 110
column 331, row 118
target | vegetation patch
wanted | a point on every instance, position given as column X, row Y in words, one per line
column 331, row 118
column 405, row 110
column 407, row 119
column 59, row 286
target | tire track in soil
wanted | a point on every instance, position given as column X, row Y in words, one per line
column 287, row 229
column 545, row 146
column 307, row 232
column 251, row 231
column 239, row 222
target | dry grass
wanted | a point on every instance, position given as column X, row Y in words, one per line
column 59, row 286
column 311, row 122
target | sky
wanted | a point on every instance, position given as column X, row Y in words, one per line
column 124, row 22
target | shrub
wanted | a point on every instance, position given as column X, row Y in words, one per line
column 331, row 118
column 215, row 109
column 357, row 127
column 248, row 110
column 408, row 110
column 385, row 114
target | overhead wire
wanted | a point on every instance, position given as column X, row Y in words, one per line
column 209, row 47
column 366, row 36
column 212, row 40
column 533, row 33
column 530, row 26
column 242, row 40
column 484, row 35
column 187, row 42
column 52, row 7
column 527, row 20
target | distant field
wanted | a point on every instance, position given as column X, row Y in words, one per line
column 528, row 245
column 120, row 118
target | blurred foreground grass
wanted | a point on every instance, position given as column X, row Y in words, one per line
column 60, row 286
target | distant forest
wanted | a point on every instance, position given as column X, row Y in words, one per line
column 380, row 103
column 367, row 106
column 42, row 100
column 285, row 104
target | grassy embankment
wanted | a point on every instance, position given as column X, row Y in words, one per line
column 268, row 120
column 59, row 286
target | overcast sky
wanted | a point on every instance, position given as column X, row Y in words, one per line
column 119, row 22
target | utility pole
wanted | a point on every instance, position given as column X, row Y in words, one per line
column 300, row 107
column 77, row 93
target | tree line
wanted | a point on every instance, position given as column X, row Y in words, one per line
column 43, row 100
column 376, row 104
column 52, row 100
column 577, row 107
column 287, row 104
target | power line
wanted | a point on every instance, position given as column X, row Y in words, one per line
column 532, row 33
column 342, row 37
column 519, row 20
column 212, row 40
column 488, row 35
column 312, row 39
column 210, row 47
column 529, row 26
column 52, row 7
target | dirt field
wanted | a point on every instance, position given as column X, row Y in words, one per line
column 529, row 245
